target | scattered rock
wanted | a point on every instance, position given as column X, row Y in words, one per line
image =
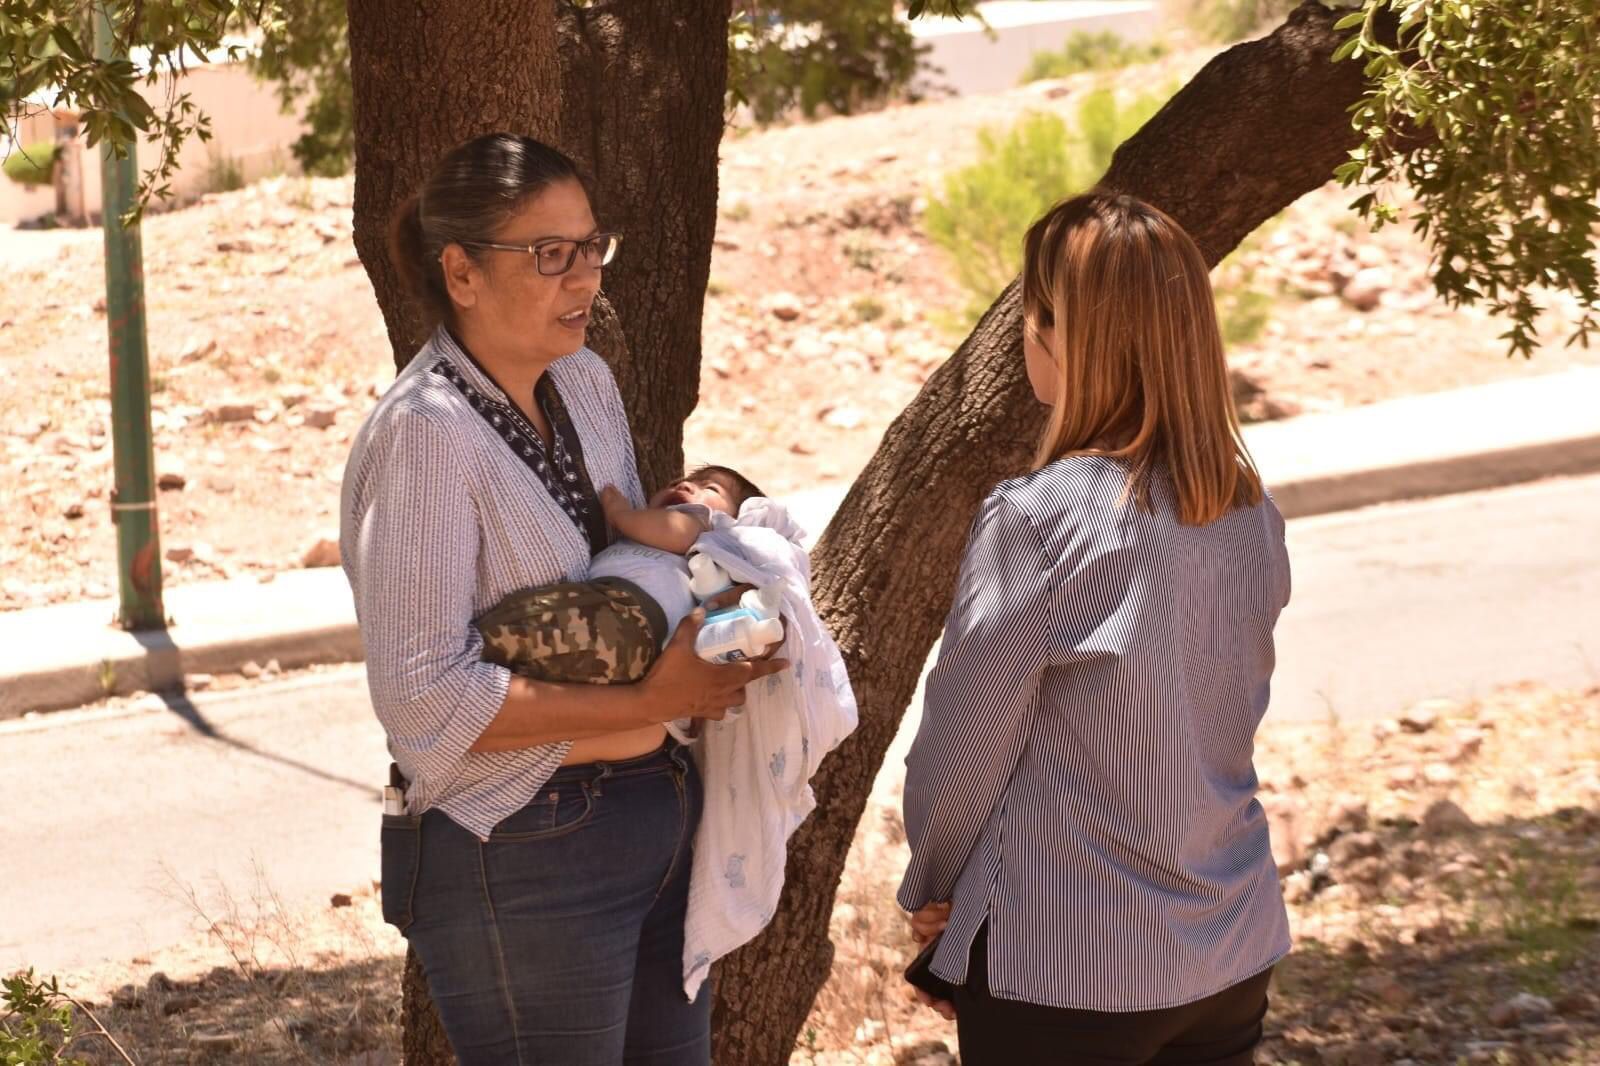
column 1465, row 747
column 171, row 480
column 198, row 682
column 1425, row 715
column 233, row 412
column 1352, row 846
column 869, row 1031
column 272, row 669
column 239, row 244
column 1444, row 817
column 1298, row 887
column 1439, row 774
column 320, row 417
column 220, row 483
column 1519, row 1009
column 926, row 1053
column 251, row 669
column 127, row 998
column 73, row 510
column 800, row 447
column 784, row 306
column 340, row 899
column 214, row 1043
column 1352, row 816
column 177, row 1004
column 843, row 417
column 324, row 552
column 1403, row 776
column 1365, row 290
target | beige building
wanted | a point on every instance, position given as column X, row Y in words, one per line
column 251, row 137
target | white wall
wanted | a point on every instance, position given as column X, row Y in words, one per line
column 967, row 58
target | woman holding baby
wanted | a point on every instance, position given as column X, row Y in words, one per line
column 537, row 862
column 1086, row 845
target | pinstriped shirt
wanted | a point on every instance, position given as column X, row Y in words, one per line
column 1083, row 778
column 439, row 520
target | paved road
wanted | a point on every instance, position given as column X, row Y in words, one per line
column 108, row 816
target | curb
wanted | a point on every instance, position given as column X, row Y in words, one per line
column 1439, row 477
column 55, row 658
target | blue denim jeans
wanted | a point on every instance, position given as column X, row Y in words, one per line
column 560, row 940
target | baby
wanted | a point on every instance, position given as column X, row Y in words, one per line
column 609, row 628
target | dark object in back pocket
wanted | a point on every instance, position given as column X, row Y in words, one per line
column 399, row 855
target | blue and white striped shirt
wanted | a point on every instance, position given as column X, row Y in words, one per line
column 1082, row 779
column 439, row 521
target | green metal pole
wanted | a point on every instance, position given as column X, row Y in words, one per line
column 133, row 505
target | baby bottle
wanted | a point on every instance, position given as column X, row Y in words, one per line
column 744, row 631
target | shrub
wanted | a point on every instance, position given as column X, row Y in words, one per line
column 223, row 173
column 1091, row 51
column 33, row 165
column 986, row 207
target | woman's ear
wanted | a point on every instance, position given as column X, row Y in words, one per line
column 462, row 275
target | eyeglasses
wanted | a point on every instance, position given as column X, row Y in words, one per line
column 553, row 258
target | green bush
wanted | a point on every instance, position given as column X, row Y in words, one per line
column 33, row 165
column 1091, row 51
column 987, row 207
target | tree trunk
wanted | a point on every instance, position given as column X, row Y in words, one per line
column 425, row 77
column 644, row 88
column 1261, row 125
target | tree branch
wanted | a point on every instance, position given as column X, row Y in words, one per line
column 1261, row 125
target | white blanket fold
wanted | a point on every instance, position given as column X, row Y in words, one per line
column 757, row 766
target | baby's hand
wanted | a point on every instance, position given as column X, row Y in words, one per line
column 613, row 502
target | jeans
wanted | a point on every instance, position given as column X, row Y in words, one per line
column 1220, row 1030
column 560, row 940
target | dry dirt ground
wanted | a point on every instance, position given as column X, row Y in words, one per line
column 1442, row 872
column 828, row 308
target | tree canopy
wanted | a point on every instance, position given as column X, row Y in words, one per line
column 1483, row 114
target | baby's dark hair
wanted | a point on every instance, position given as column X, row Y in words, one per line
column 747, row 488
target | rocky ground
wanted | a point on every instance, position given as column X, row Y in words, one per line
column 267, row 348
column 1441, row 869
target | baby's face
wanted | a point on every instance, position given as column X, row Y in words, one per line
column 716, row 491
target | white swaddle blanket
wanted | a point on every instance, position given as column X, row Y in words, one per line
column 757, row 766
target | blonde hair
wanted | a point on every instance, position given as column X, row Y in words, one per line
column 1140, row 372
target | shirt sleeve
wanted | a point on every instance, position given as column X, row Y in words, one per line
column 416, row 555
column 980, row 699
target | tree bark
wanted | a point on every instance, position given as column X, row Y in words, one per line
column 425, row 77
column 1261, row 125
column 641, row 107
column 644, row 87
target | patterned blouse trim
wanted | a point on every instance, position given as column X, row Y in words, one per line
column 560, row 468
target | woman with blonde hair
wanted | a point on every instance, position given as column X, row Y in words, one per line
column 1086, row 843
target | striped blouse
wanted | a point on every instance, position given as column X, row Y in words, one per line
column 1082, row 779
column 439, row 520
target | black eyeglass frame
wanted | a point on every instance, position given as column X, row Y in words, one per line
column 534, row 250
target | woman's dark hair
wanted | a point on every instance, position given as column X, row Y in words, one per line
column 472, row 191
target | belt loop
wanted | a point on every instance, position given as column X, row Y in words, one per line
column 595, row 782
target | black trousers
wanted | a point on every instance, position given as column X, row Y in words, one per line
column 1221, row 1030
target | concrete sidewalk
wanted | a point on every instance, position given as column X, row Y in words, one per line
column 1431, row 445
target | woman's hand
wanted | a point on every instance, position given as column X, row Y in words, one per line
column 946, row 1009
column 683, row 685
column 929, row 922
column 729, row 597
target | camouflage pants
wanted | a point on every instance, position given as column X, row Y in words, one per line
column 602, row 632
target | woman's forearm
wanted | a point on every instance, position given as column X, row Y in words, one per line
column 541, row 712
